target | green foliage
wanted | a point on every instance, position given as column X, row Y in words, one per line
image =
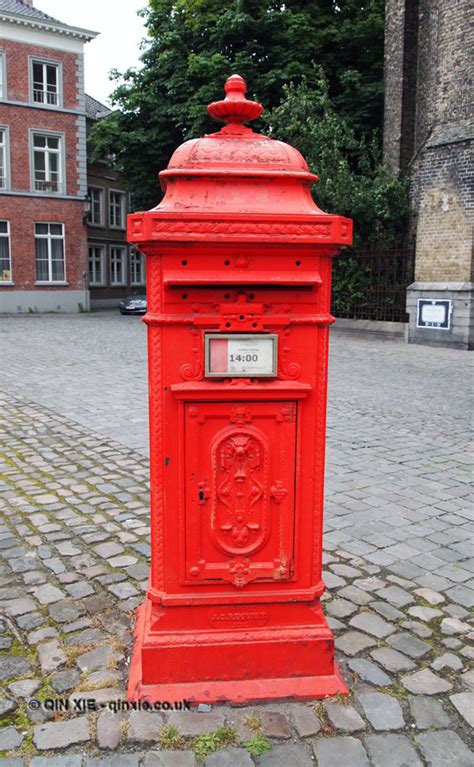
column 170, row 738
column 193, row 45
column 352, row 179
column 257, row 745
column 209, row 742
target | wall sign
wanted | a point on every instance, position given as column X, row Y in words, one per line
column 434, row 313
column 235, row 355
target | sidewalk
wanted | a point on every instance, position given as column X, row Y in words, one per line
column 74, row 547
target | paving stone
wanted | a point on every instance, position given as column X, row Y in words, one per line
column 344, row 751
column 346, row 571
column 275, row 725
column 13, row 665
column 191, row 724
column 295, row 755
column 10, row 739
column 144, row 726
column 456, row 611
column 387, row 611
column 353, row 594
column 229, row 757
column 332, row 581
column 84, row 638
column 343, row 717
column 65, row 680
column 391, row 751
column 424, row 613
column 428, row 713
column 451, row 626
column 467, row 679
column 65, row 760
column 461, row 594
column 65, row 611
column 170, row 759
column 415, row 627
column 16, row 607
column 382, row 711
column 369, row 584
column 396, row 596
column 444, row 749
column 48, row 632
column 93, row 659
column 372, row 624
column 117, row 760
column 392, row 660
column 464, row 703
column 305, row 720
column 25, row 687
column 409, row 645
column 12, row 762
column 109, row 549
column 353, row 642
column 447, row 660
column 48, row 594
column 79, row 590
column 82, row 623
column 109, row 729
column 340, row 608
column 424, row 682
column 7, row 706
column 51, row 656
column 369, row 672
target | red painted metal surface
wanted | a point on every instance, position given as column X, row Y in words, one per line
column 237, row 245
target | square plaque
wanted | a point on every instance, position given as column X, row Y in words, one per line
column 434, row 313
column 240, row 355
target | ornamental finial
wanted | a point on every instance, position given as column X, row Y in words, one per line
column 235, row 108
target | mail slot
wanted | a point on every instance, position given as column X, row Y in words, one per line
column 238, row 294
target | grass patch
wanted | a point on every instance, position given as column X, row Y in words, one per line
column 170, row 738
column 209, row 742
column 257, row 745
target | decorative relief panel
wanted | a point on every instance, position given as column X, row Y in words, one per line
column 239, row 480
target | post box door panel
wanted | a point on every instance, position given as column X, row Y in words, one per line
column 239, row 491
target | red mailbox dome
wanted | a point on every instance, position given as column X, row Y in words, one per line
column 236, row 169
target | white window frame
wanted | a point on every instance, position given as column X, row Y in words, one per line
column 3, row 75
column 93, row 282
column 60, row 152
column 101, row 191
column 44, row 100
column 123, row 208
column 133, row 254
column 113, row 281
column 49, row 237
column 5, row 151
column 9, row 280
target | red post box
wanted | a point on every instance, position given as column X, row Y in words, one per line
column 238, row 293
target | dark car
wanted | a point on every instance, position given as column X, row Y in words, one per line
column 133, row 305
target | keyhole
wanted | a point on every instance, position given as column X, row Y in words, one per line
column 201, row 495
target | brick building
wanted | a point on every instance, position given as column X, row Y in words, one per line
column 428, row 134
column 114, row 269
column 43, row 164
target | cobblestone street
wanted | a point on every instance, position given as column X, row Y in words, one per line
column 74, row 546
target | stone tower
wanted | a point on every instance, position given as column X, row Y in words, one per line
column 428, row 134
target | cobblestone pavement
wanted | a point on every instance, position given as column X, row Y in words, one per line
column 74, row 547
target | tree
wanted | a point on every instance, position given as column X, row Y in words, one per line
column 194, row 45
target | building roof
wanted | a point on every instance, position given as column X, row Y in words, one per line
column 95, row 110
column 21, row 12
column 24, row 9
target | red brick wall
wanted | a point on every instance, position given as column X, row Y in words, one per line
column 18, row 75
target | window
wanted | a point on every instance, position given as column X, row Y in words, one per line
column 49, row 246
column 48, row 163
column 46, row 80
column 5, row 262
column 118, row 265
column 96, row 213
column 137, row 268
column 3, row 79
column 4, row 181
column 117, row 209
column 96, row 265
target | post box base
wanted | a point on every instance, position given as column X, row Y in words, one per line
column 238, row 666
